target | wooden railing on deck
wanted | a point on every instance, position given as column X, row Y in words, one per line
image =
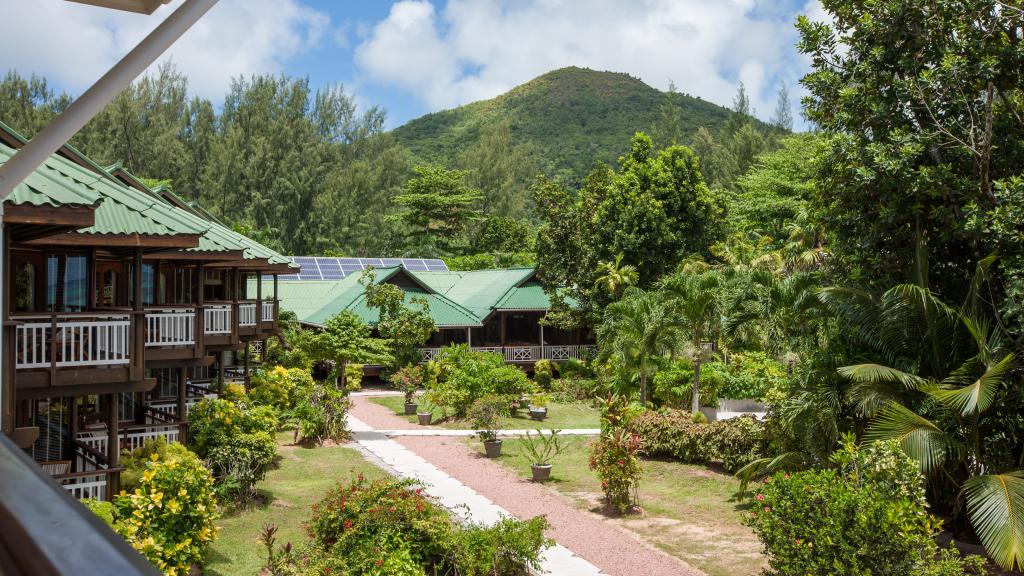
column 62, row 340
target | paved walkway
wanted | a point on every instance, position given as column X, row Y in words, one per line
column 463, row 479
column 456, row 496
column 425, row 431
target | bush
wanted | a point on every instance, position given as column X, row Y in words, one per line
column 675, row 434
column 239, row 462
column 101, row 508
column 279, row 388
column 214, row 421
column 137, row 461
column 464, row 376
column 867, row 517
column 169, row 517
column 616, row 459
column 389, row 527
column 752, row 375
column 542, row 374
column 320, row 414
column 573, row 368
column 488, row 415
column 672, row 385
column 575, row 389
column 353, row 377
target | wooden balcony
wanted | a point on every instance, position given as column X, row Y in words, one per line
column 71, row 340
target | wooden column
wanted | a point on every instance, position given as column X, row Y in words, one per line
column 233, row 279
column 113, row 442
column 7, row 365
column 182, row 392
column 503, row 328
column 73, row 430
column 469, row 337
column 220, row 373
column 277, row 303
column 138, row 361
column 245, row 354
column 90, row 282
column 200, row 300
column 259, row 299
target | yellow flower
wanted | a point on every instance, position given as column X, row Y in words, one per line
column 173, row 506
column 182, row 492
column 148, row 475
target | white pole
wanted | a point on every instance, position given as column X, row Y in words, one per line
column 93, row 100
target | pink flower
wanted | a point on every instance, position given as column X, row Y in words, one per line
column 799, row 541
column 767, row 508
column 760, row 497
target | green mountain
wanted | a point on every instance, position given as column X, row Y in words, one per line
column 569, row 118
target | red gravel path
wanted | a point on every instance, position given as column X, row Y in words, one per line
column 612, row 549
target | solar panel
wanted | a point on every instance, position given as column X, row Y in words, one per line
column 330, row 268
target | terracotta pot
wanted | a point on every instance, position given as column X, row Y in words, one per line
column 493, row 448
column 541, row 473
column 425, row 419
column 538, row 414
column 410, row 408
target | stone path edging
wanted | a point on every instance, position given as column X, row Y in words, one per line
column 468, row 433
column 454, row 495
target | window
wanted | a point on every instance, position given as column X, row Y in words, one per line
column 66, row 283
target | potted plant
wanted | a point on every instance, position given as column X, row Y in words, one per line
column 424, row 412
column 540, row 452
column 539, row 406
column 487, row 415
column 407, row 380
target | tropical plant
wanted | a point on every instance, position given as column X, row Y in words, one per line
column 615, row 457
column 614, row 277
column 946, row 370
column 404, row 321
column 321, row 413
column 540, row 450
column 694, row 299
column 407, row 380
column 637, row 329
column 488, row 414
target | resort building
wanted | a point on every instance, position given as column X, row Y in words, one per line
column 120, row 305
column 490, row 310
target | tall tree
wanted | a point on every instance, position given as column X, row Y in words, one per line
column 346, row 338
column 668, row 128
column 439, row 205
column 783, row 117
column 497, row 167
column 695, row 301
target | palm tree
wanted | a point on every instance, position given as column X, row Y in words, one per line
column 636, row 329
column 616, row 276
column 694, row 299
column 943, row 370
column 777, row 309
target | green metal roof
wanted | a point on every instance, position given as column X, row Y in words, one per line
column 455, row 299
column 49, row 185
column 476, row 290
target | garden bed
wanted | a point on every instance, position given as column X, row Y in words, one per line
column 301, row 479
column 560, row 416
column 688, row 511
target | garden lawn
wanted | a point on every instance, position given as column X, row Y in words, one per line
column 288, row 493
column 560, row 416
column 687, row 510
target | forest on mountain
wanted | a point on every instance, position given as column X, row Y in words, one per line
column 307, row 172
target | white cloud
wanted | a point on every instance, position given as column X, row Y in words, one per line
column 474, row 49
column 73, row 44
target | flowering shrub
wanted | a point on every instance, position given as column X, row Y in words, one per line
column 214, row 422
column 169, row 517
column 353, row 377
column 407, row 380
column 239, row 462
column 320, row 413
column 390, row 528
column 674, row 434
column 272, row 388
column 615, row 458
column 867, row 517
column 136, row 462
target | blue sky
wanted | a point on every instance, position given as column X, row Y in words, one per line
column 416, row 56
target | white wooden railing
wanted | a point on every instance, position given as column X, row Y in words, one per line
column 91, row 487
column 514, row 354
column 71, row 340
column 217, row 319
column 247, row 314
column 131, row 438
column 170, row 407
column 170, row 327
column 268, row 311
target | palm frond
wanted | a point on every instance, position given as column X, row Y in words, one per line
column 995, row 506
column 876, row 373
column 919, row 438
column 764, row 467
column 976, row 393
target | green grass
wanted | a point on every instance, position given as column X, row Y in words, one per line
column 302, row 477
column 688, row 511
column 560, row 416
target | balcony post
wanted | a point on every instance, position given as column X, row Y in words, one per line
column 182, row 390
column 113, row 441
column 259, row 299
column 541, row 324
column 245, row 354
column 200, row 323
column 220, row 373
column 277, row 312
column 235, row 318
column 138, row 361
